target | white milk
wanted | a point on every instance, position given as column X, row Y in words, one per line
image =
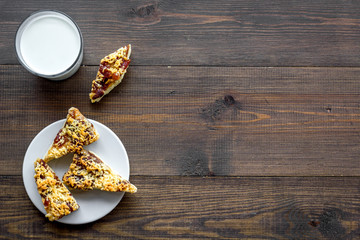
column 49, row 45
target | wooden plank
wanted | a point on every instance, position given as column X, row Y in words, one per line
column 246, row 122
column 194, row 207
column 225, row 33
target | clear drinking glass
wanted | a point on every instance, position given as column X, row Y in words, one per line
column 49, row 44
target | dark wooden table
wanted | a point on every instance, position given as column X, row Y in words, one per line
column 241, row 119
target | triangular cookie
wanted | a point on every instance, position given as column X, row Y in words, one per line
column 88, row 171
column 111, row 71
column 76, row 132
column 57, row 199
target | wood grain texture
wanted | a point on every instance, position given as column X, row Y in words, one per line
column 205, row 121
column 241, row 119
column 202, row 208
column 218, row 33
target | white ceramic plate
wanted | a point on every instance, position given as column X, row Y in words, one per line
column 94, row 204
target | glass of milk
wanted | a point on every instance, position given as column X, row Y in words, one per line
column 49, row 44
